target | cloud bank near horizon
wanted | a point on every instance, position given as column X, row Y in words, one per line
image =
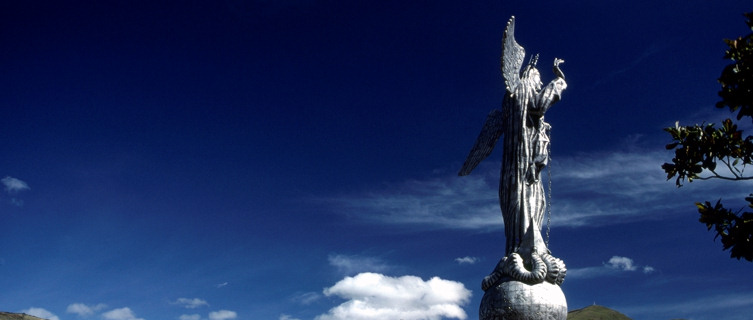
column 83, row 310
column 372, row 296
column 615, row 265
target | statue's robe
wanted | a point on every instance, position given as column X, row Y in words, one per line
column 526, row 141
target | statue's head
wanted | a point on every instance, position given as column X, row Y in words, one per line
column 531, row 77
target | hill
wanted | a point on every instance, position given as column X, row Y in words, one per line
column 17, row 316
column 595, row 312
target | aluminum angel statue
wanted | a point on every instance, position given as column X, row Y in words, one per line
column 525, row 154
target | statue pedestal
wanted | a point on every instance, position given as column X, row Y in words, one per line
column 515, row 300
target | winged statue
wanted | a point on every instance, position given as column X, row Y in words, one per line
column 525, row 153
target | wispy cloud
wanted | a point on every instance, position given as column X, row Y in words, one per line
column 349, row 265
column 307, row 298
column 647, row 53
column 189, row 317
column 191, row 303
column 83, row 310
column 708, row 305
column 376, row 296
column 614, row 266
column 447, row 202
column 120, row 314
column 220, row 285
column 287, row 317
column 41, row 313
column 222, row 315
column 607, row 188
column 588, row 190
column 466, row 260
column 13, row 185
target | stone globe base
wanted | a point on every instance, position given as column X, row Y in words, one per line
column 515, row 300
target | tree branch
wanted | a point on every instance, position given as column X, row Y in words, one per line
column 718, row 176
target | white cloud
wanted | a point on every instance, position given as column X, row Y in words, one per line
column 13, row 185
column 287, row 317
column 466, row 260
column 376, row 296
column 614, row 266
column 220, row 285
column 191, row 303
column 189, row 317
column 120, row 314
column 222, row 315
column 621, row 263
column 83, row 310
column 40, row 312
column 356, row 264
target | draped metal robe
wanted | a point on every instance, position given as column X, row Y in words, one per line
column 526, row 141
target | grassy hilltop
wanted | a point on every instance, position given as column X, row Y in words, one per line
column 596, row 313
column 17, row 316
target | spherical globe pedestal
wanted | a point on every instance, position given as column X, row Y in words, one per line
column 515, row 300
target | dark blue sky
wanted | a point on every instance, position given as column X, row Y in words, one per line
column 232, row 159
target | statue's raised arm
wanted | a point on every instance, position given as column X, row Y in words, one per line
column 551, row 94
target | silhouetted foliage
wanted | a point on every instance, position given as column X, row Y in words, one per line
column 736, row 78
column 724, row 152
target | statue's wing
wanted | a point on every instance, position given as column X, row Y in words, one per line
column 484, row 143
column 512, row 57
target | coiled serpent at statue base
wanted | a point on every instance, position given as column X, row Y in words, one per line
column 543, row 267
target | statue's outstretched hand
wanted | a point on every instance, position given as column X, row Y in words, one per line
column 557, row 71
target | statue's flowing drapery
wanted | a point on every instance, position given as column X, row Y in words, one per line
column 526, row 143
